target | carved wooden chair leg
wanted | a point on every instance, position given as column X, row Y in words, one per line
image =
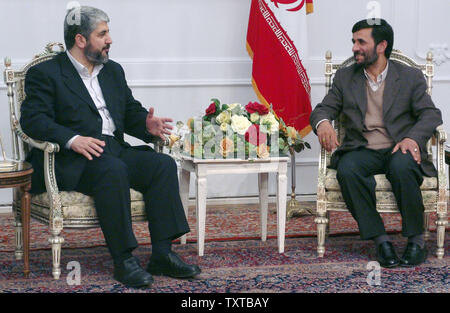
column 17, row 223
column 321, row 221
column 18, row 252
column 56, row 242
column 441, row 223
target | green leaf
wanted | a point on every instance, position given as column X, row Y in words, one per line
column 299, row 147
column 216, row 101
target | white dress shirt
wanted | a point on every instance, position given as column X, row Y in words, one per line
column 374, row 85
column 93, row 87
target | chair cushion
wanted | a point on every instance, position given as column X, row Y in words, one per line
column 385, row 197
column 331, row 182
column 76, row 205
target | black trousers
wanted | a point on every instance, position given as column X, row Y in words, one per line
column 108, row 179
column 355, row 173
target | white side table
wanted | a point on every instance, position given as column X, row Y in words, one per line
column 204, row 167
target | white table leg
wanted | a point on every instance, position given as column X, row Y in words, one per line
column 202, row 189
column 184, row 180
column 281, row 205
column 263, row 179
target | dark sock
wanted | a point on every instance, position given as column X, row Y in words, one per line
column 161, row 247
column 380, row 239
column 118, row 259
column 417, row 239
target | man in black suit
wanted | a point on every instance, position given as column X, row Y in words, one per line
column 80, row 100
column 388, row 118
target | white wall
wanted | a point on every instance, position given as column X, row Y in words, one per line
column 178, row 54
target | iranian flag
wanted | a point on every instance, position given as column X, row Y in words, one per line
column 276, row 40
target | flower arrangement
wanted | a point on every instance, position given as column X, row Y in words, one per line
column 235, row 131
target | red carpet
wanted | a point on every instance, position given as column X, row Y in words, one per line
column 230, row 222
column 249, row 266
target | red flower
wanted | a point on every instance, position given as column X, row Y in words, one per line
column 253, row 107
column 254, row 136
column 211, row 109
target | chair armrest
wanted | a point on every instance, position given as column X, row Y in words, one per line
column 324, row 160
column 441, row 138
column 441, row 135
column 41, row 145
column 49, row 149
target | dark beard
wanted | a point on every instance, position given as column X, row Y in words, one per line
column 368, row 61
column 96, row 57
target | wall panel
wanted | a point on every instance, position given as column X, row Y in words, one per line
column 179, row 54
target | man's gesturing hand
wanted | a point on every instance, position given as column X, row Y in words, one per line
column 88, row 146
column 157, row 126
column 327, row 136
column 410, row 145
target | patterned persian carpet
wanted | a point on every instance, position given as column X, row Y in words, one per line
column 235, row 261
column 222, row 223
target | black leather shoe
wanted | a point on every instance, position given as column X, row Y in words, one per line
column 413, row 255
column 172, row 265
column 131, row 274
column 386, row 255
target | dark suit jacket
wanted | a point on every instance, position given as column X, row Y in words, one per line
column 58, row 106
column 408, row 110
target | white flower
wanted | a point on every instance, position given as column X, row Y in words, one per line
column 224, row 127
column 270, row 120
column 254, row 117
column 223, row 117
column 236, row 109
column 234, row 105
column 240, row 124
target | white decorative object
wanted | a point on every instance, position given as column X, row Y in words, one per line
column 262, row 167
column 440, row 53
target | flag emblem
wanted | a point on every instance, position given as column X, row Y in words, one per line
column 297, row 8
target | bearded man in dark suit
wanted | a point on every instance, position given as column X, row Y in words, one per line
column 80, row 99
column 388, row 118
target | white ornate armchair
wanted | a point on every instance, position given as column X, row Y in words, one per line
column 54, row 208
column 329, row 197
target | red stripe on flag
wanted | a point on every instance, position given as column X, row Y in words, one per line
column 278, row 75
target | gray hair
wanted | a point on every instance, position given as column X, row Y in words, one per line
column 81, row 20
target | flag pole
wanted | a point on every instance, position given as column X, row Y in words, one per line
column 293, row 206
